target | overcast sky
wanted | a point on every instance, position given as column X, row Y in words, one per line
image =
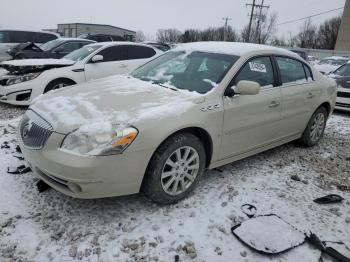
column 150, row 15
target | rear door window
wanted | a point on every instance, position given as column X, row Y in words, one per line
column 114, row 53
column 259, row 70
column 140, row 52
column 68, row 47
column 43, row 37
column 291, row 71
column 4, row 37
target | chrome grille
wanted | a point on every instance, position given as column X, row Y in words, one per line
column 34, row 130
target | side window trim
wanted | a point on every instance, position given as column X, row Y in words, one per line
column 274, row 69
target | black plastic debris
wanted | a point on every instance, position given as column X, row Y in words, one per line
column 18, row 149
column 329, row 199
column 22, row 169
column 5, row 145
column 18, row 156
column 249, row 210
column 177, row 258
column 42, row 186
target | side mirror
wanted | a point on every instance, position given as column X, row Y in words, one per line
column 97, row 58
column 245, row 87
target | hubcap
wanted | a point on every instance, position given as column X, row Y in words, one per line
column 180, row 170
column 58, row 86
column 317, row 127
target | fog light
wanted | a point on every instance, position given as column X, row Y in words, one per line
column 74, row 187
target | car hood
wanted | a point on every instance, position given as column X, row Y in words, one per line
column 112, row 100
column 325, row 68
column 34, row 65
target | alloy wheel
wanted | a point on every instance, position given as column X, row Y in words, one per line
column 180, row 170
column 317, row 127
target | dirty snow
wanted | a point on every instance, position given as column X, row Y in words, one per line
column 54, row 227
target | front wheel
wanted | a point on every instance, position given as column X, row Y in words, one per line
column 315, row 128
column 174, row 169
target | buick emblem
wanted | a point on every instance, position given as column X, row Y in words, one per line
column 25, row 131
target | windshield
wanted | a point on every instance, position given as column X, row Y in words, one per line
column 343, row 70
column 81, row 53
column 334, row 61
column 51, row 44
column 196, row 71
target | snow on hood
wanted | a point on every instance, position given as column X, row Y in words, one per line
column 114, row 100
column 325, row 68
column 38, row 62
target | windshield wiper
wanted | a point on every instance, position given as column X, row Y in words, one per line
column 162, row 85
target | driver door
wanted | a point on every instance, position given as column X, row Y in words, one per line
column 252, row 121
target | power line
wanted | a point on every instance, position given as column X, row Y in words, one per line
column 307, row 17
column 253, row 5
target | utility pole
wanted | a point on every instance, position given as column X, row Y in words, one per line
column 262, row 6
column 253, row 5
column 226, row 19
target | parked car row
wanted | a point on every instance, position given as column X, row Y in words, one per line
column 30, row 78
column 197, row 106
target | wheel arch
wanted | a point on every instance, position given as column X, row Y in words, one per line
column 327, row 106
column 59, row 79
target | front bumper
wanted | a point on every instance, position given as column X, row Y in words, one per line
column 18, row 94
column 84, row 176
column 343, row 99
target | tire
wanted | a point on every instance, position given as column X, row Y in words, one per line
column 157, row 176
column 58, row 83
column 315, row 128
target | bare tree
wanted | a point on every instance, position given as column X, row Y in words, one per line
column 261, row 32
column 328, row 33
column 170, row 35
column 210, row 34
column 140, row 36
column 307, row 37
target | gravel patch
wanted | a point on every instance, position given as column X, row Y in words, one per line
column 10, row 111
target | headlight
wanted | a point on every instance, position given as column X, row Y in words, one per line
column 97, row 140
column 23, row 78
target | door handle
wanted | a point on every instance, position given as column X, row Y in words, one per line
column 274, row 104
column 123, row 66
column 310, row 95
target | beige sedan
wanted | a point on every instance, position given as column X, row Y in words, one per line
column 197, row 107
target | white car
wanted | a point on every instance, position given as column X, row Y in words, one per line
column 30, row 78
column 342, row 77
column 329, row 64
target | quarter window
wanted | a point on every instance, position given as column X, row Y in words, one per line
column 140, row 52
column 291, row 71
column 259, row 70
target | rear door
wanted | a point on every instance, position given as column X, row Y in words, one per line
column 299, row 94
column 252, row 121
column 114, row 62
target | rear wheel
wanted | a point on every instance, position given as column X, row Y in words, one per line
column 174, row 169
column 59, row 83
column 315, row 128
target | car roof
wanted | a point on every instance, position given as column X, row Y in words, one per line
column 337, row 57
column 232, row 48
column 75, row 39
column 32, row 31
column 114, row 43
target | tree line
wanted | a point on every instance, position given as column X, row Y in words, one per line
column 262, row 31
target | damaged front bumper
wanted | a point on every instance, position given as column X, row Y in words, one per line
column 18, row 94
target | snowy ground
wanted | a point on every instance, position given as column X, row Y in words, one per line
column 53, row 227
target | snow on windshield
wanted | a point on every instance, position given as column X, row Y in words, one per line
column 194, row 71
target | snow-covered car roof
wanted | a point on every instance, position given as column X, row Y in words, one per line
column 233, row 48
column 114, row 43
column 337, row 57
column 29, row 30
